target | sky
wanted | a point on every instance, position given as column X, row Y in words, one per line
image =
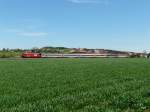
column 107, row 24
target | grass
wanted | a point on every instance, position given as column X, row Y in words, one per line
column 75, row 85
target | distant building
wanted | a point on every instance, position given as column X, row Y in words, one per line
column 99, row 51
column 80, row 50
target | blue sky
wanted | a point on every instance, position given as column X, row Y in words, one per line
column 110, row 24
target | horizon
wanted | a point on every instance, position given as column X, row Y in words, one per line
column 72, row 48
column 97, row 24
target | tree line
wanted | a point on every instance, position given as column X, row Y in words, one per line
column 7, row 53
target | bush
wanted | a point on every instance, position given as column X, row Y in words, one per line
column 9, row 54
column 134, row 56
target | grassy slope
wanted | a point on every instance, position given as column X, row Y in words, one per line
column 77, row 85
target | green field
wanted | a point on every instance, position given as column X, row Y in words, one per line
column 75, row 85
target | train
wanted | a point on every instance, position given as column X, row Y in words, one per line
column 30, row 54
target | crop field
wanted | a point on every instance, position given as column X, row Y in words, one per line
column 75, row 85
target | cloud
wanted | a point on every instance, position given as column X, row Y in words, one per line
column 33, row 34
column 89, row 1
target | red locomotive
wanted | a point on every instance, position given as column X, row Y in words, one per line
column 30, row 54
